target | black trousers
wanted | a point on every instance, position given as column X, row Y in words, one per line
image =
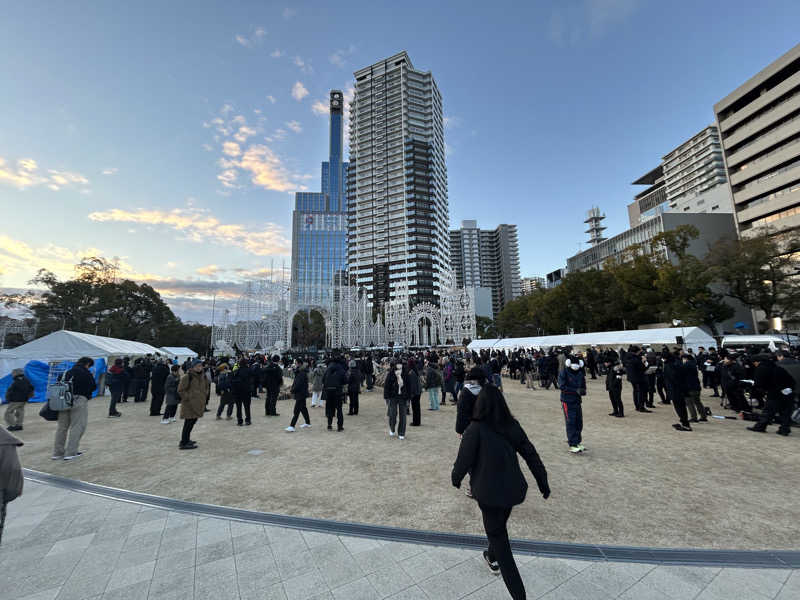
column 170, row 410
column 333, row 406
column 115, row 396
column 495, row 522
column 139, row 390
column 736, row 399
column 240, row 403
column 651, row 389
column 638, row 395
column 226, row 399
column 156, row 400
column 353, row 402
column 271, row 404
column 679, row 402
column 188, row 425
column 616, row 401
column 415, row 410
column 661, row 389
column 777, row 403
column 300, row 409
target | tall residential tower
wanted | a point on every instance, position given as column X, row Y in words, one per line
column 319, row 223
column 398, row 210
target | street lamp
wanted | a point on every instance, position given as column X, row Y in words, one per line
column 679, row 323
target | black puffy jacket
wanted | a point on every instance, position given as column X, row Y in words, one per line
column 20, row 389
column 490, row 457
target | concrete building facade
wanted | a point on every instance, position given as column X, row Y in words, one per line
column 691, row 178
column 398, row 208
column 759, row 124
column 487, row 258
column 529, row 284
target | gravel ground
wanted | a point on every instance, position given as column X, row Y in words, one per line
column 639, row 483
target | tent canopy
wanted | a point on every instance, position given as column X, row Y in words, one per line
column 71, row 345
column 179, row 352
column 693, row 337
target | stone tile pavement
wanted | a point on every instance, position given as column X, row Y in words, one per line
column 66, row 545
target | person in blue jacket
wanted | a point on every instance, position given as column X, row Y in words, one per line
column 572, row 382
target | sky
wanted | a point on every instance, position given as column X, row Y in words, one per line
column 171, row 136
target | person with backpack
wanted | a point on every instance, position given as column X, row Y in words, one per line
column 488, row 452
column 412, row 390
column 572, row 383
column 171, row 397
column 72, row 421
column 17, row 395
column 241, row 388
column 300, row 392
column 353, row 386
column 333, row 384
column 433, row 381
column 224, row 390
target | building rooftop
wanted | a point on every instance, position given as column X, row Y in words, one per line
column 650, row 177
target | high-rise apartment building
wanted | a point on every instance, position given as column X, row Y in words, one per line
column 759, row 123
column 398, row 209
column 528, row 285
column 691, row 178
column 319, row 223
column 487, row 258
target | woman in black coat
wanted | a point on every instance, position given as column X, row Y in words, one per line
column 488, row 452
column 300, row 391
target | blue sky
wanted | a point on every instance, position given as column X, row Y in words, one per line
column 171, row 135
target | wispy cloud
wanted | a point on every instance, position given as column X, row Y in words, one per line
column 288, row 13
column 294, row 126
column 450, row 121
column 299, row 91
column 271, row 99
column 253, row 39
column 208, row 270
column 320, row 108
column 303, row 64
column 339, row 57
column 277, row 53
column 110, row 171
column 244, row 133
column 26, row 174
column 572, row 22
column 231, row 149
column 200, row 226
column 21, row 258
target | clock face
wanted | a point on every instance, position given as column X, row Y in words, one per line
column 336, row 103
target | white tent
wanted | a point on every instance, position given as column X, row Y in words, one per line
column 71, row 345
column 693, row 337
column 482, row 344
column 180, row 353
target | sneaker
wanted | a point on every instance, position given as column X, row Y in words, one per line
column 246, row 423
column 703, row 419
column 391, row 433
column 330, row 428
column 165, row 421
column 781, row 432
column 494, row 566
column 757, row 429
column 229, row 418
column 582, row 447
column 340, row 429
column 172, row 420
column 188, row 446
column 290, row 429
column 401, row 437
column 56, row 457
column 114, row 415
column 575, row 449
column 305, row 425
column 73, row 457
column 219, row 418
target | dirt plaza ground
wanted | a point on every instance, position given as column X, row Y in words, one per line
column 639, row 483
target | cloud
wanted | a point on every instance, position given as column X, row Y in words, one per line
column 208, row 270
column 450, row 122
column 299, row 91
column 266, row 169
column 278, row 135
column 294, row 126
column 339, row 57
column 288, row 13
column 320, row 108
column 26, row 174
column 303, row 65
column 244, row 133
column 226, row 108
column 254, row 39
column 207, row 147
column 571, row 23
column 271, row 99
column 110, row 171
column 231, row 149
column 23, row 260
column 228, row 178
column 200, row 226
column 277, row 53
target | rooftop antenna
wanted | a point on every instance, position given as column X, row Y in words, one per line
column 594, row 219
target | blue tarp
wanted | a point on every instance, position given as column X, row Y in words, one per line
column 36, row 371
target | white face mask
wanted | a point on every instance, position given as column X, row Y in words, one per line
column 574, row 367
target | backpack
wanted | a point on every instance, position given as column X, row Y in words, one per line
column 59, row 395
column 223, row 383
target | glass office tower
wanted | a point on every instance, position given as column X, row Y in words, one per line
column 319, row 223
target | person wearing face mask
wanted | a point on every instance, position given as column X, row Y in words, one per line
column 572, row 382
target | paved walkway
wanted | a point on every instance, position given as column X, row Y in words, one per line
column 66, row 545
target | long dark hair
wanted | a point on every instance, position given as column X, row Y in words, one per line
column 491, row 408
